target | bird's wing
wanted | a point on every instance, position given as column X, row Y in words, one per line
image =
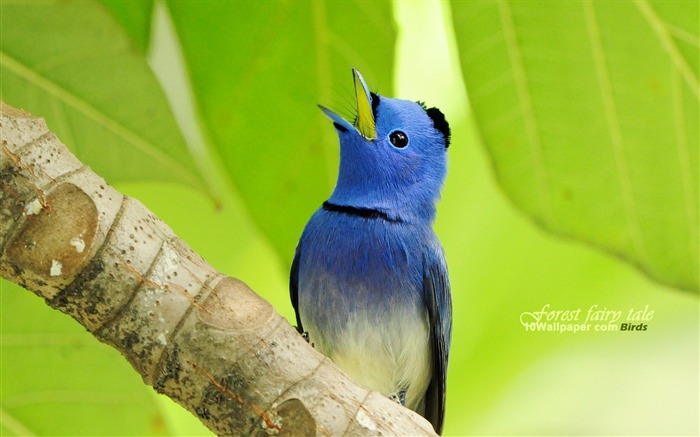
column 294, row 286
column 436, row 290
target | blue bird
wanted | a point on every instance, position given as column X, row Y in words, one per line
column 369, row 281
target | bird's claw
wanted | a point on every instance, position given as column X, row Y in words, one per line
column 399, row 398
column 305, row 336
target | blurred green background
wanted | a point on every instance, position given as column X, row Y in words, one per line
column 583, row 124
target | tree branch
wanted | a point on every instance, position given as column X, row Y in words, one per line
column 202, row 338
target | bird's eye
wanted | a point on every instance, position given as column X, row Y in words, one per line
column 398, row 139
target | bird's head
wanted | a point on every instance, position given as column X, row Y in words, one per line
column 393, row 156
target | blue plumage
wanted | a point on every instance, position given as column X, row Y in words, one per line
column 369, row 281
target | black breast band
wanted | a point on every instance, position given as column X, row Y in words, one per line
column 367, row 213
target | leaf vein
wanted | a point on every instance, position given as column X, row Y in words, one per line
column 13, row 425
column 97, row 116
column 526, row 105
column 615, row 132
column 662, row 32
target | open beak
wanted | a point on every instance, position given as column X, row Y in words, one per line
column 364, row 123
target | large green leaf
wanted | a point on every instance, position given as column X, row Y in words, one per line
column 70, row 62
column 58, row 380
column 257, row 69
column 589, row 111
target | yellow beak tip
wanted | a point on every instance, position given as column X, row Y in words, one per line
column 365, row 116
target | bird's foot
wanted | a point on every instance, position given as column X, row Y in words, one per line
column 399, row 398
column 305, row 336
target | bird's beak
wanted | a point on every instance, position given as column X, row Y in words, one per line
column 365, row 116
column 364, row 123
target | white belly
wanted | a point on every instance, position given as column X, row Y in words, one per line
column 386, row 355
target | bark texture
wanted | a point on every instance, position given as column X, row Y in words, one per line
column 202, row 338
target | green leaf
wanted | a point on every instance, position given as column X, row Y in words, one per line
column 70, row 62
column 589, row 111
column 257, row 69
column 58, row 380
column 135, row 18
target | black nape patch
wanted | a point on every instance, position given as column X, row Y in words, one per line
column 440, row 124
column 375, row 103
